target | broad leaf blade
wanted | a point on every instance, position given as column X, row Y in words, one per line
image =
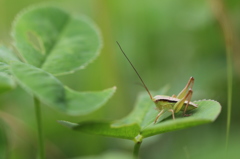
column 151, row 116
column 49, row 90
column 80, row 103
column 52, row 39
column 138, row 113
column 4, row 68
column 143, row 106
column 141, row 120
column 7, row 55
column 105, row 129
column 41, row 84
column 207, row 112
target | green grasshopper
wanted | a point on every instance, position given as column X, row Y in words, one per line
column 172, row 104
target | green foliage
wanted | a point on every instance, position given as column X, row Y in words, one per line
column 105, row 129
column 189, row 39
column 54, row 40
column 207, row 112
column 7, row 56
column 53, row 93
column 140, row 122
column 6, row 81
column 51, row 42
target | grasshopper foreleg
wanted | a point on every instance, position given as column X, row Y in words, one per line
column 159, row 114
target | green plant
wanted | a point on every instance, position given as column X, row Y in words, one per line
column 139, row 124
column 51, row 42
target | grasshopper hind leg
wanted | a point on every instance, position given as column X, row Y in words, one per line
column 185, row 90
column 177, row 107
column 186, row 94
column 190, row 92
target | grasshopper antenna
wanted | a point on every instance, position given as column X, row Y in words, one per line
column 144, row 85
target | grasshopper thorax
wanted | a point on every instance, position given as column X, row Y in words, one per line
column 167, row 102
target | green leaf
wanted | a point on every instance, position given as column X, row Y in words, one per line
column 4, row 68
column 137, row 116
column 142, row 117
column 207, row 112
column 49, row 90
column 86, row 102
column 6, row 57
column 105, row 129
column 54, row 40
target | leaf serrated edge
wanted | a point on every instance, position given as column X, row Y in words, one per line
column 206, row 100
column 212, row 101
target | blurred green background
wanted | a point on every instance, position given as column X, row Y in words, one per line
column 168, row 41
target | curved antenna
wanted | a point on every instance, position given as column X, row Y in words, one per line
column 135, row 71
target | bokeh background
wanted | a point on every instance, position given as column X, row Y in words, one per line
column 168, row 41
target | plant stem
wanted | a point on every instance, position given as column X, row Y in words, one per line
column 229, row 92
column 39, row 128
column 136, row 149
column 229, row 36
